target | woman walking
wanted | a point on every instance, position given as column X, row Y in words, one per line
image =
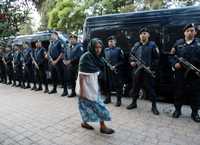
column 91, row 106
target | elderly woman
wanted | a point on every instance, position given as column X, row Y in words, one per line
column 91, row 106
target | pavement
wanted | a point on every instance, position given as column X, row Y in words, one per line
column 34, row 118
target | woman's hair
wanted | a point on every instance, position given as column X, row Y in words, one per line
column 92, row 44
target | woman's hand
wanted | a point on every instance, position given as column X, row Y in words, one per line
column 81, row 82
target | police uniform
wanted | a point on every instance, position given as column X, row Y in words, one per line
column 191, row 82
column 71, row 53
column 149, row 54
column 34, row 69
column 43, row 66
column 115, row 57
column 9, row 66
column 18, row 70
column 27, row 66
column 2, row 69
column 55, row 49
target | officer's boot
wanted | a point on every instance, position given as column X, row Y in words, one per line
column 10, row 81
column 28, row 85
column 34, row 86
column 177, row 112
column 133, row 105
column 54, row 90
column 118, row 103
column 65, row 92
column 23, row 85
column 6, row 80
column 46, row 88
column 195, row 116
column 39, row 88
column 14, row 83
column 154, row 109
column 108, row 99
column 73, row 93
column 19, row 84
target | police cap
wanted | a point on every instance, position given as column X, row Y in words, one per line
column 191, row 25
column 73, row 35
column 144, row 29
column 111, row 38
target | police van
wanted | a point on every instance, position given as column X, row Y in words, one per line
column 166, row 26
column 43, row 36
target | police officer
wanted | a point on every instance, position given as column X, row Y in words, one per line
column 2, row 67
column 115, row 56
column 41, row 65
column 148, row 52
column 72, row 54
column 55, row 56
column 34, row 67
column 18, row 64
column 189, row 49
column 27, row 64
column 9, row 66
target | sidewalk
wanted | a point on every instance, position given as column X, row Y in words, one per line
column 34, row 118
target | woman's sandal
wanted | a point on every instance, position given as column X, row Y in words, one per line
column 107, row 130
column 87, row 126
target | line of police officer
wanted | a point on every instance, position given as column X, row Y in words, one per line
column 25, row 64
column 63, row 63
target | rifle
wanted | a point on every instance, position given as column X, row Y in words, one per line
column 50, row 58
column 110, row 66
column 48, row 53
column 34, row 62
column 141, row 65
column 4, row 61
column 13, row 62
column 189, row 66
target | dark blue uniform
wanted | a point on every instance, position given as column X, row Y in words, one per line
column 55, row 49
column 2, row 69
column 18, row 70
column 115, row 57
column 34, row 69
column 149, row 54
column 72, row 53
column 191, row 53
column 27, row 66
column 9, row 66
column 43, row 66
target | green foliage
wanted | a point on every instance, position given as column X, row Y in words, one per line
column 26, row 28
column 69, row 15
column 12, row 17
column 66, row 15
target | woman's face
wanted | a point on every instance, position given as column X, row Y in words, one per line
column 98, row 49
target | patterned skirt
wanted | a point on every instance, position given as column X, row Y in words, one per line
column 93, row 111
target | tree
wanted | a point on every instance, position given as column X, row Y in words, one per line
column 26, row 28
column 69, row 15
column 66, row 16
column 13, row 15
column 44, row 7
